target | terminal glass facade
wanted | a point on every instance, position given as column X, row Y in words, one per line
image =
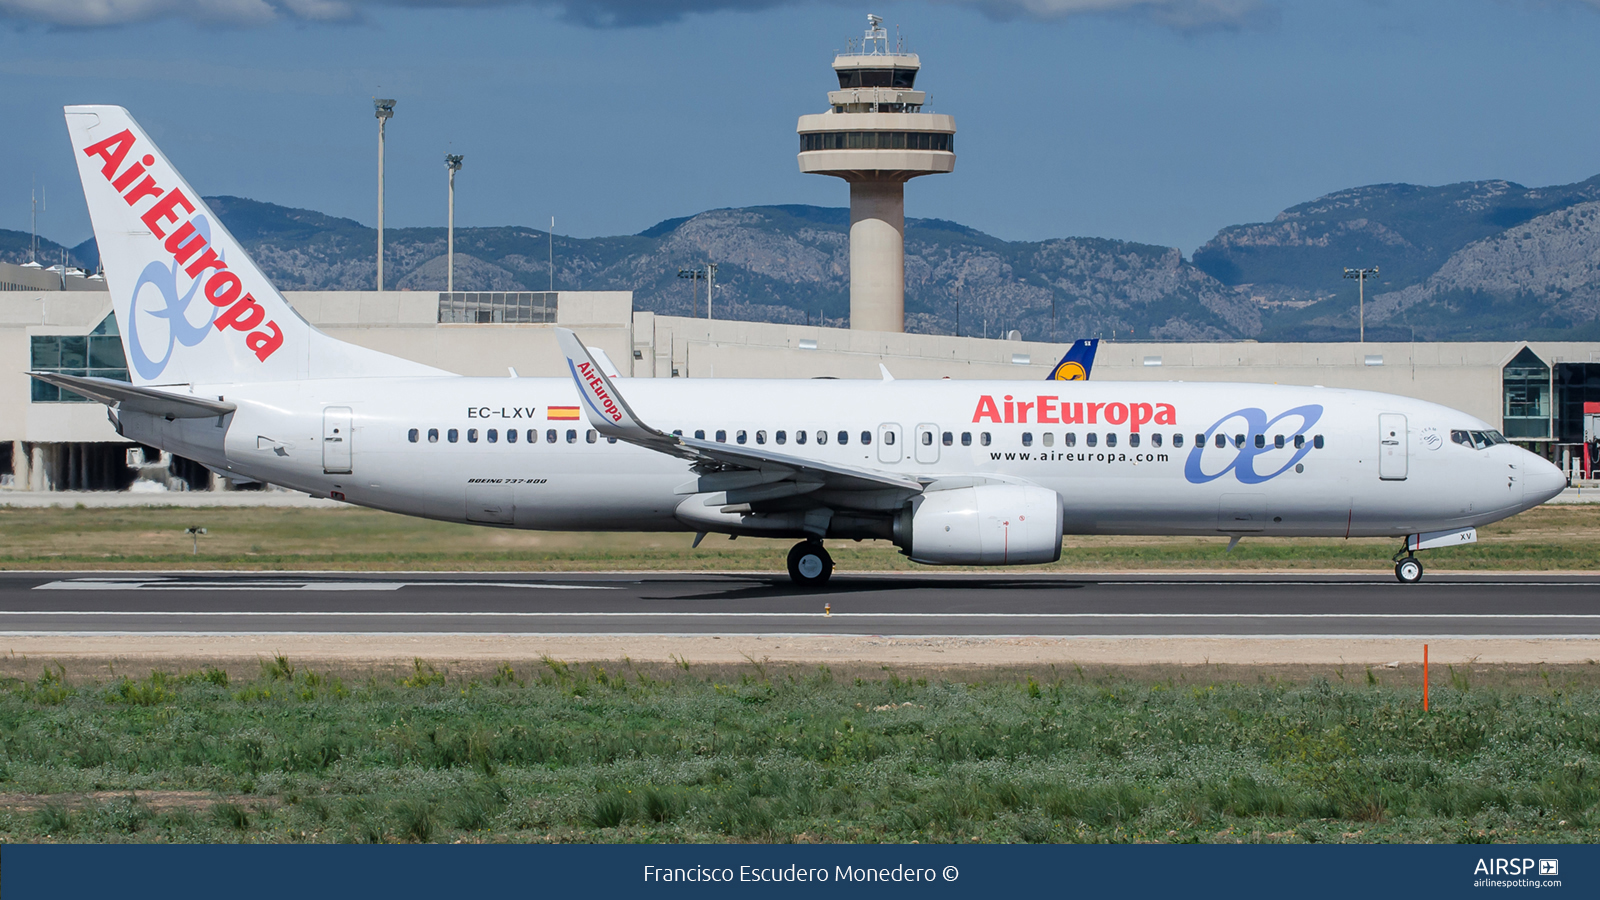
column 497, row 308
column 99, row 354
column 1576, row 384
column 877, row 140
column 1526, row 386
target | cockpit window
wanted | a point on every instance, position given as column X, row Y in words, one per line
column 1477, row 440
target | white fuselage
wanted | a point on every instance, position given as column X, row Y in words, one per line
column 296, row 434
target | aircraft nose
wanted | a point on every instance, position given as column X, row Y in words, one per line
column 1541, row 481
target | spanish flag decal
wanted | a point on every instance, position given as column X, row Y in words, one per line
column 561, row 413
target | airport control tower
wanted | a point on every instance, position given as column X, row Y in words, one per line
column 876, row 136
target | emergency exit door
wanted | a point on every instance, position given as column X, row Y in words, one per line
column 336, row 440
column 1393, row 447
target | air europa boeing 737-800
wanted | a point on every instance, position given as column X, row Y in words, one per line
column 224, row 372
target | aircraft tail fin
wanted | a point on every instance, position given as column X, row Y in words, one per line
column 1077, row 363
column 191, row 305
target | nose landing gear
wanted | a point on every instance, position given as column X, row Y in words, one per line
column 810, row 565
column 1408, row 570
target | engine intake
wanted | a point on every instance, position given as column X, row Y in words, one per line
column 987, row 525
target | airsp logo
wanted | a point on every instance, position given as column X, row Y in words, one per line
column 1549, row 867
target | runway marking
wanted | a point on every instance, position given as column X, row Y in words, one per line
column 330, row 586
column 1373, row 583
column 543, row 614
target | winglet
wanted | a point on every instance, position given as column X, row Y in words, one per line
column 605, row 408
column 885, row 370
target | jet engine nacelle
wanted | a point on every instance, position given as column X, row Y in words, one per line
column 987, row 525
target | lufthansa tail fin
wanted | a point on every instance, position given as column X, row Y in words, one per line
column 191, row 305
column 1078, row 362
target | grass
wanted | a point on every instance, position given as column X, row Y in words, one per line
column 1555, row 537
column 550, row 751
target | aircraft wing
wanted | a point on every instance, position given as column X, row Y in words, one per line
column 723, row 467
column 123, row 395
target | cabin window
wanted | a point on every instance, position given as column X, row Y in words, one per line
column 1261, row 441
column 511, row 435
column 740, row 436
column 888, row 438
column 1317, row 442
column 761, row 437
column 611, row 440
column 966, row 439
column 572, row 435
column 591, row 435
column 1155, row 439
column 1027, row 439
column 983, row 438
column 780, row 436
column 722, row 436
column 1091, row 439
column 699, row 434
column 1238, row 441
column 1277, row 442
column 413, row 435
column 866, row 438
column 948, row 438
column 1177, row 440
column 1222, row 441
column 799, row 437
column 1299, row 441
column 472, row 435
column 433, row 435
column 533, row 435
column 1111, row 439
column 550, row 436
column 1200, row 441
column 493, row 435
column 1133, row 439
column 822, row 437
column 1070, row 439
column 1049, row 438
column 844, row 438
column 452, row 435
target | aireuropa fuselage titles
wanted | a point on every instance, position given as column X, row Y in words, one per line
column 1128, row 458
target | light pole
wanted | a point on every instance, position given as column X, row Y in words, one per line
column 711, row 285
column 694, row 275
column 452, row 161
column 1361, row 276
column 383, row 109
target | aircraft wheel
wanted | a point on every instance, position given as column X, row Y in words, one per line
column 809, row 564
column 1408, row 570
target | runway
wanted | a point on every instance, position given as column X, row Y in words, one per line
column 1478, row 605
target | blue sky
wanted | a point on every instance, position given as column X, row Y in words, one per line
column 1151, row 120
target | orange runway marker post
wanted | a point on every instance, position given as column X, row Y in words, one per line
column 1424, row 677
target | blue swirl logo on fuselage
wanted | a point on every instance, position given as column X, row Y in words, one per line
column 1252, row 421
column 174, row 309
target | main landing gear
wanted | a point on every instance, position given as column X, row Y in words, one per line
column 1407, row 568
column 809, row 564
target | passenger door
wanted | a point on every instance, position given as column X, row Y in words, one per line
column 336, row 443
column 889, row 449
column 926, row 448
column 1393, row 447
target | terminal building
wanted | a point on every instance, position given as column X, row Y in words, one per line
column 1536, row 393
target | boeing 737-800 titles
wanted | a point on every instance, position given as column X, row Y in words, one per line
column 223, row 371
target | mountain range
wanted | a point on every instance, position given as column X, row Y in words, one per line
column 1483, row 260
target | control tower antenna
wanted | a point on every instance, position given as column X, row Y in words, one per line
column 876, row 137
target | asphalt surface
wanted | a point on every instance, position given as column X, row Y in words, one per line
column 918, row 604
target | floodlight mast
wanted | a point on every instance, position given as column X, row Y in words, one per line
column 1361, row 276
column 452, row 161
column 382, row 109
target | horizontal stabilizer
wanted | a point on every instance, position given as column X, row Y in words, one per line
column 130, row 397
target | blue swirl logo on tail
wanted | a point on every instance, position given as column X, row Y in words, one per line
column 1252, row 421
column 174, row 309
